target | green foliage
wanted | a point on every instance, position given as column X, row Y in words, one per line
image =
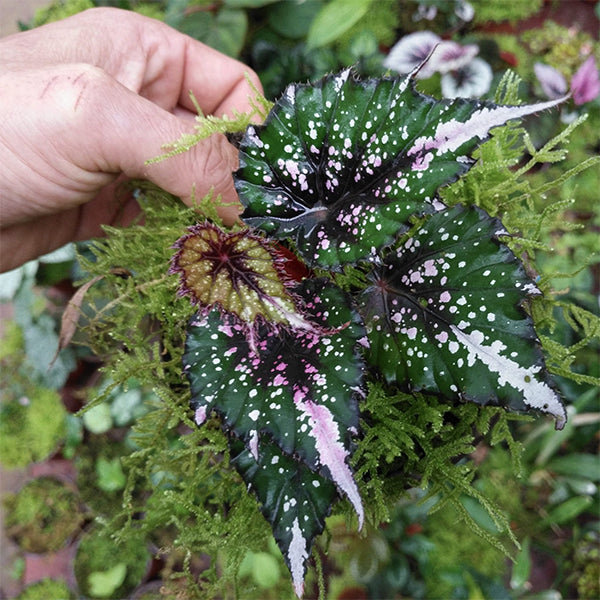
column 499, row 10
column 32, row 424
column 334, row 19
column 43, row 515
column 46, row 588
column 137, row 322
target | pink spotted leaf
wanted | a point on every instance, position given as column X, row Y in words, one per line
column 294, row 499
column 445, row 314
column 297, row 386
column 341, row 166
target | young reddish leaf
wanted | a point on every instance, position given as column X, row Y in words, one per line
column 238, row 272
column 340, row 166
column 294, row 499
column 444, row 314
column 297, row 385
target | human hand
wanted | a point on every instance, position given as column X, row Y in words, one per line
column 84, row 103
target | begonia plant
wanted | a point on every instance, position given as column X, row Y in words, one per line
column 345, row 173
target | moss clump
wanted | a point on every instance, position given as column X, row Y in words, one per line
column 45, row 589
column 122, row 564
column 43, row 515
column 496, row 11
column 32, row 424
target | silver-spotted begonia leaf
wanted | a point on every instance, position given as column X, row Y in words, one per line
column 297, row 386
column 340, row 166
column 294, row 499
column 444, row 314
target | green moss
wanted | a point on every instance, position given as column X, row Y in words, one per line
column 496, row 11
column 46, row 589
column 12, row 341
column 43, row 515
column 32, row 424
column 98, row 554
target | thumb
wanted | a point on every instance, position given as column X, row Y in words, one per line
column 118, row 131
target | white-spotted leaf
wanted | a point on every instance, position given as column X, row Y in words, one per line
column 293, row 498
column 340, row 166
column 298, row 386
column 445, row 314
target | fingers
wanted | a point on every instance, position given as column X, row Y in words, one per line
column 145, row 55
column 73, row 129
column 126, row 131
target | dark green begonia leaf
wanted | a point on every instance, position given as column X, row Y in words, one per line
column 294, row 499
column 445, row 314
column 297, row 385
column 340, row 166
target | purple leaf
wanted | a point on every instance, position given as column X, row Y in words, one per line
column 410, row 53
column 239, row 272
column 554, row 85
column 585, row 84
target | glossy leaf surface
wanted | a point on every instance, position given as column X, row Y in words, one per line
column 444, row 314
column 341, row 165
column 298, row 386
column 294, row 499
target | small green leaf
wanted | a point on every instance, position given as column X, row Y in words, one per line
column 568, row 510
column 224, row 32
column 522, row 567
column 102, row 584
column 265, row 570
column 98, row 418
column 586, row 466
column 479, row 514
column 292, row 19
column 111, row 477
column 334, row 19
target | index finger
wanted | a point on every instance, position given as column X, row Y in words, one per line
column 219, row 83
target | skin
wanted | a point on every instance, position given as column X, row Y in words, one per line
column 85, row 102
